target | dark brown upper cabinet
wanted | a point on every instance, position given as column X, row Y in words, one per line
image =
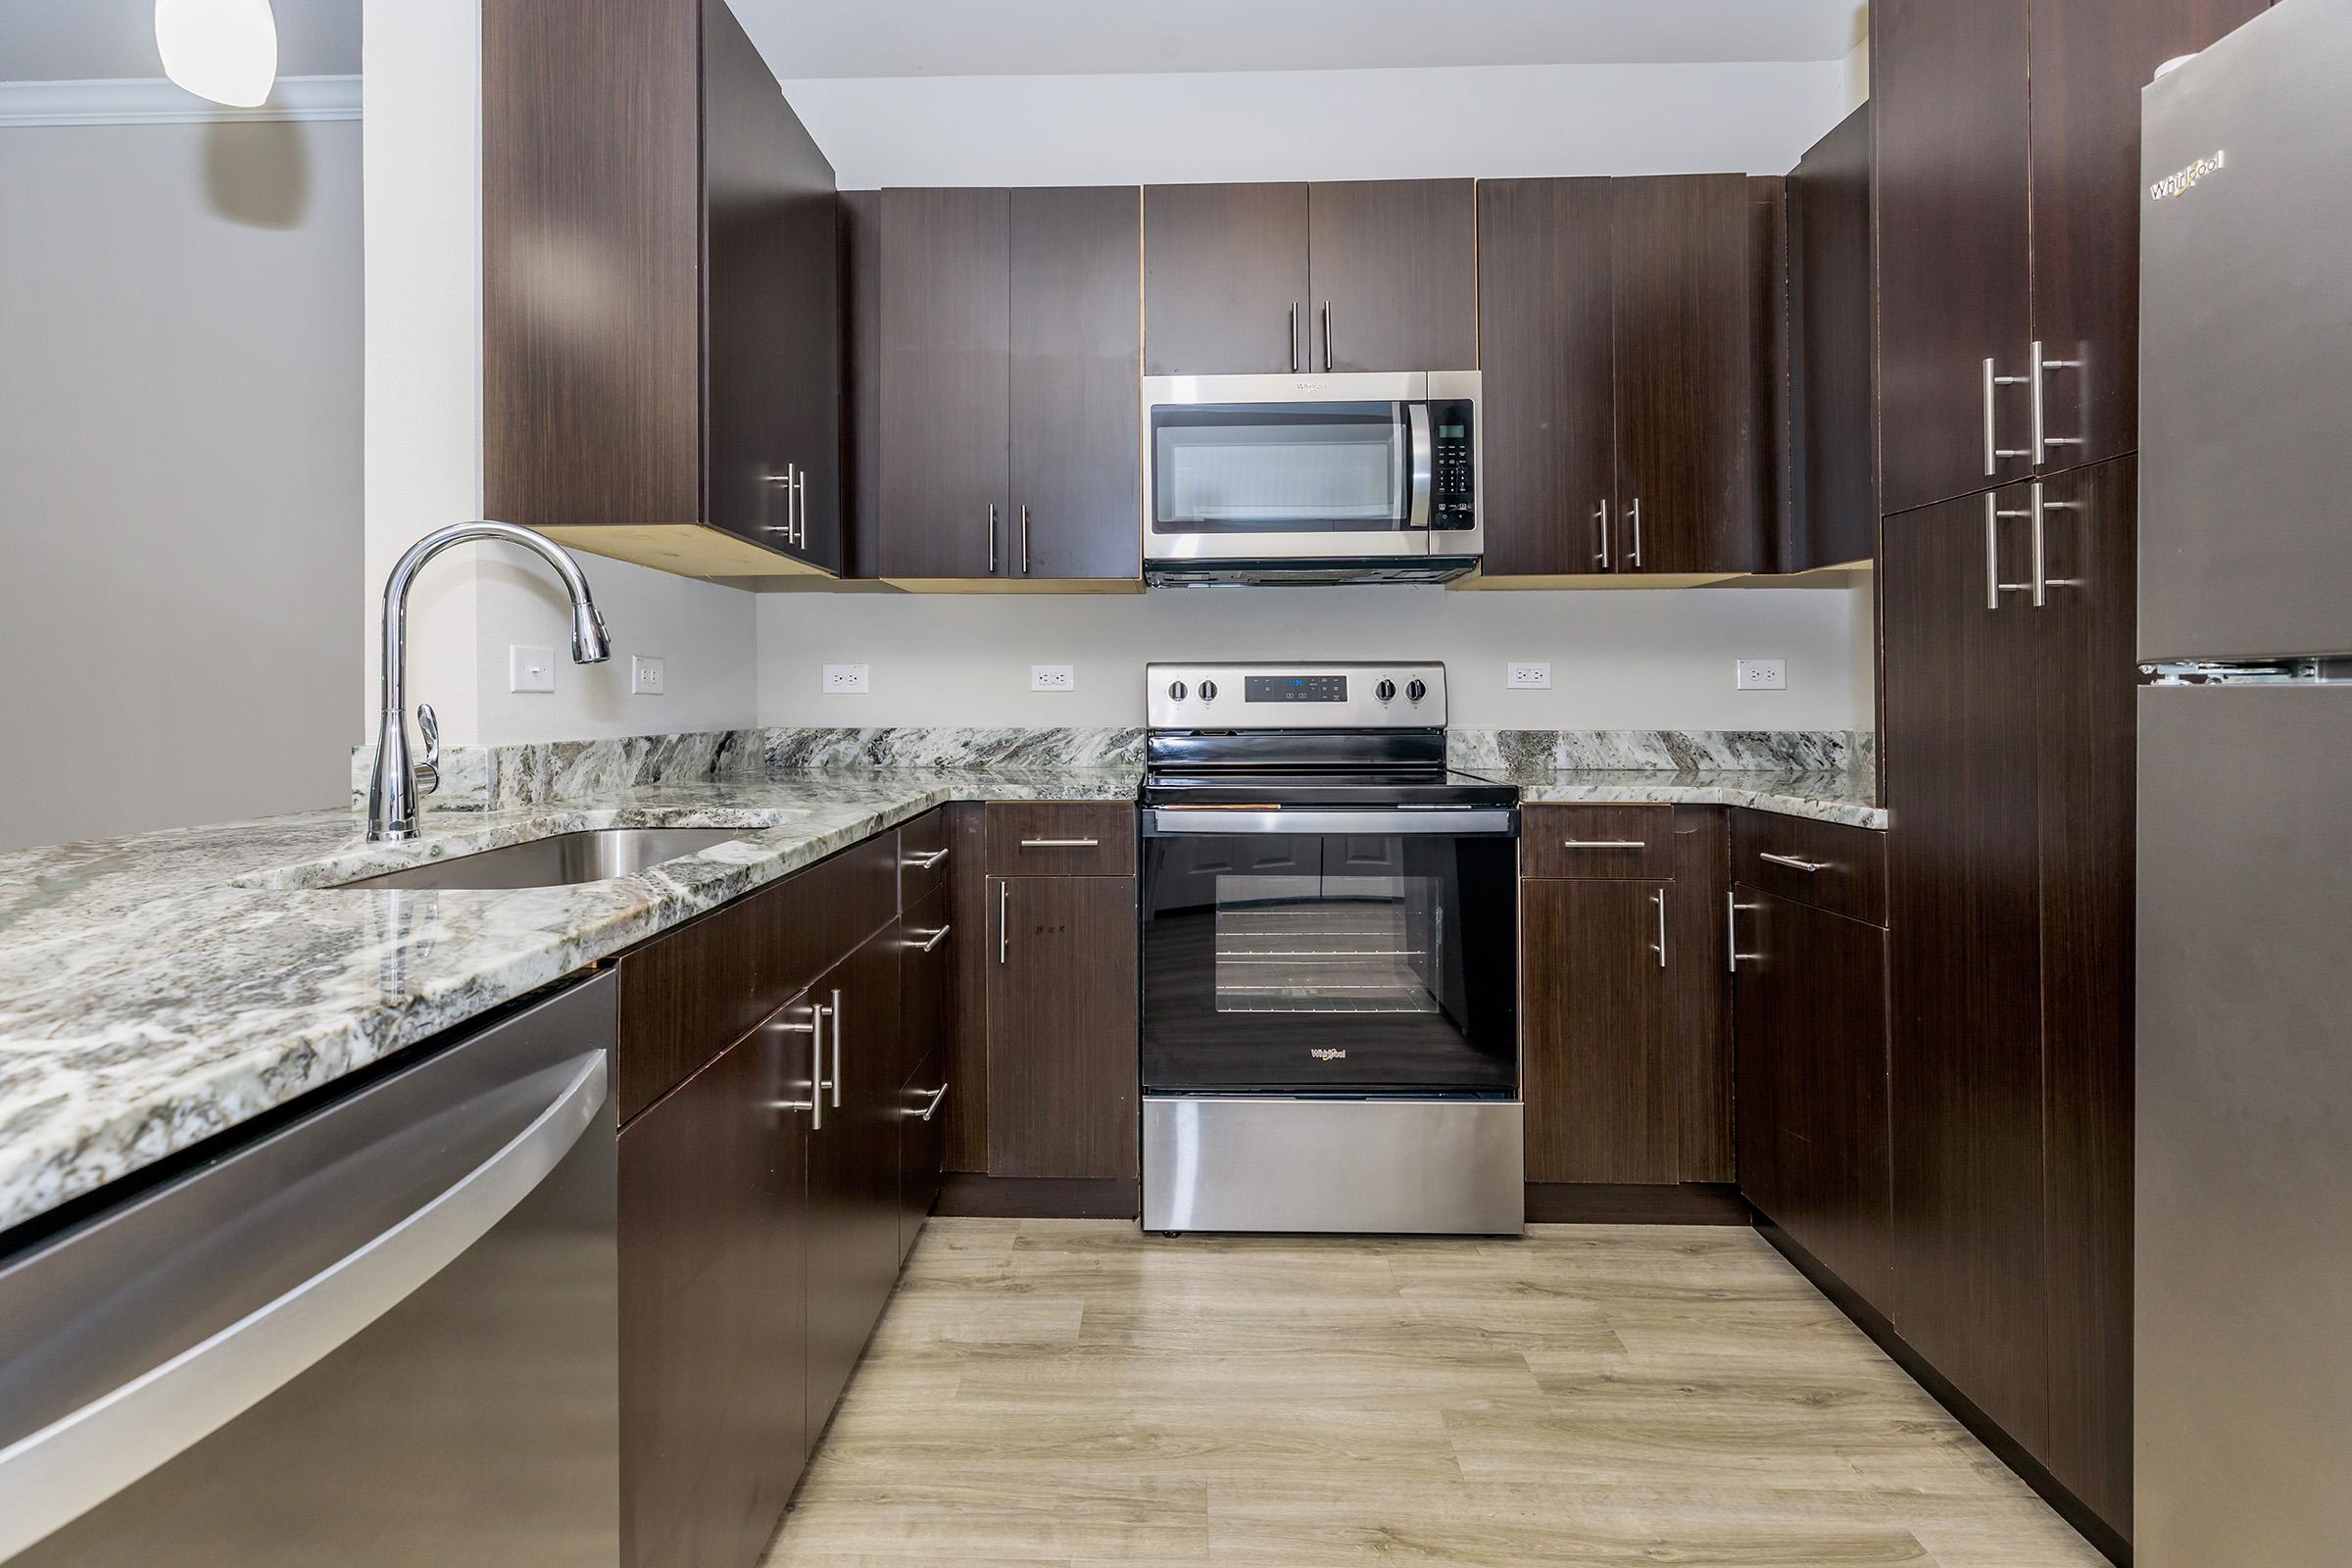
column 2007, row 161
column 1000, row 437
column 1833, row 510
column 661, row 306
column 1621, row 397
column 1338, row 275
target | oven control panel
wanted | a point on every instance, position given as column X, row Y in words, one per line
column 1234, row 696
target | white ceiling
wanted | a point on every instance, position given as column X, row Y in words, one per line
column 76, row 40
column 806, row 38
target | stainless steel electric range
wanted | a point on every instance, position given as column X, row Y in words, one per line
column 1330, row 944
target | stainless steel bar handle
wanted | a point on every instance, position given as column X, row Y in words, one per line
column 925, row 862
column 814, row 1102
column 1731, row 927
column 1993, row 586
column 836, row 1012
column 992, row 538
column 932, row 938
column 1024, row 538
column 1293, row 337
column 1994, row 450
column 1793, row 861
column 932, row 1109
column 1603, row 515
column 2043, row 440
column 1659, row 899
column 1004, row 921
column 819, row 1082
column 2042, row 585
column 1327, row 336
column 51, row 1477
column 1605, row 844
column 799, row 501
column 784, row 479
column 2042, row 576
column 1061, row 844
column 1633, row 516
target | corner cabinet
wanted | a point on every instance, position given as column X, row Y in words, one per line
column 995, row 375
column 661, row 305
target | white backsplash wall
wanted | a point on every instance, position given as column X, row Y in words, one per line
column 1620, row 659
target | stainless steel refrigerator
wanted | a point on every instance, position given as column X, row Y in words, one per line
column 2244, row 1245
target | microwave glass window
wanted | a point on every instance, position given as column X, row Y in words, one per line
column 1336, row 467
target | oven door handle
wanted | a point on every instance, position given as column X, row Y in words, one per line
column 1457, row 821
column 1419, row 458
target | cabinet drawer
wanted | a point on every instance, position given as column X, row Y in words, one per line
column 1618, row 843
column 1830, row 866
column 923, row 857
column 1061, row 838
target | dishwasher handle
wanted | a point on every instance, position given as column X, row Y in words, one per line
column 52, row 1476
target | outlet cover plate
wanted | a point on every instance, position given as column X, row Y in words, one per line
column 530, row 670
column 1521, row 675
column 1762, row 675
column 845, row 680
column 645, row 675
column 1052, row 678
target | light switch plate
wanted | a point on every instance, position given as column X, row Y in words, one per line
column 645, row 675
column 530, row 670
column 1522, row 676
column 1763, row 674
column 1052, row 678
column 844, row 680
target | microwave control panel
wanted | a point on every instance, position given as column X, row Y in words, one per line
column 1453, row 469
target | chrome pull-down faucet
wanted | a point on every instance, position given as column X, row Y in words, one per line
column 393, row 789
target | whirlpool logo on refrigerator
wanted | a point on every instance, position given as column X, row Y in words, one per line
column 1328, row 1054
column 2181, row 182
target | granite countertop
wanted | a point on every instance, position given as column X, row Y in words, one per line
column 157, row 990
column 1825, row 796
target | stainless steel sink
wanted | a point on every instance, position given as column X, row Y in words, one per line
column 589, row 856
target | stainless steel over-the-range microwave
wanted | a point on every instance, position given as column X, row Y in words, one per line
column 1367, row 477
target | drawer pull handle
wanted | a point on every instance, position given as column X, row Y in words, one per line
column 1062, row 844
column 1795, row 865
column 932, row 1109
column 1605, row 844
column 1659, row 899
column 924, row 862
column 932, row 938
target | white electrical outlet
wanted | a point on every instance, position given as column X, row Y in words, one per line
column 1520, row 676
column 645, row 675
column 530, row 670
column 1763, row 674
column 1052, row 678
column 844, row 680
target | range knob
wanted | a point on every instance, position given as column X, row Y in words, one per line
column 1416, row 691
column 1176, row 691
column 1209, row 690
column 1385, row 691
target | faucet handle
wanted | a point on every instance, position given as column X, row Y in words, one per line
column 428, row 772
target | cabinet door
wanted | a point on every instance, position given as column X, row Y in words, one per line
column 2087, row 742
column 1599, row 1066
column 1955, row 278
column 943, row 367
column 1545, row 251
column 927, row 1026
column 809, row 362
column 1075, row 419
column 1832, row 407
column 748, row 312
column 713, row 1266
column 1809, row 1015
column 1394, row 271
column 1225, row 278
column 1963, row 911
column 922, row 1146
column 1063, row 1070
column 1686, row 403
column 2089, row 59
column 854, row 1166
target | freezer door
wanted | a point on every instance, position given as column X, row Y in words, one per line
column 2245, row 1162
column 2246, row 344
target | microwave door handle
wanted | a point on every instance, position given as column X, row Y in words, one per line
column 1418, row 458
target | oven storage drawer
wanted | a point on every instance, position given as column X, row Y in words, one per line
column 1366, row 1166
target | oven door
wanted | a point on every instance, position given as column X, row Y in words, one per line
column 1267, row 467
column 1331, row 952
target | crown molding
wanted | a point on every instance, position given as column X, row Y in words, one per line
column 157, row 101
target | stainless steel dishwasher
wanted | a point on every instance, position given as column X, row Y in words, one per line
column 382, row 1334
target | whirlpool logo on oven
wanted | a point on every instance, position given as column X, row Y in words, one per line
column 1328, row 1054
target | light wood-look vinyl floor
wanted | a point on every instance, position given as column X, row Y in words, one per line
column 1074, row 1393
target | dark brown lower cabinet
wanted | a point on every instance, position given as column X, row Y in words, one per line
column 927, row 1033
column 1062, row 1071
column 922, row 1146
column 714, row 1260
column 1809, row 1019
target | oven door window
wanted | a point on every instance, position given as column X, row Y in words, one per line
column 1280, row 468
column 1346, row 965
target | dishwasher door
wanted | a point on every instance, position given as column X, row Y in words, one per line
column 382, row 1334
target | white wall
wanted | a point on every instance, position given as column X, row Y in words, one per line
column 180, row 472
column 1490, row 121
column 423, row 61
column 1620, row 659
